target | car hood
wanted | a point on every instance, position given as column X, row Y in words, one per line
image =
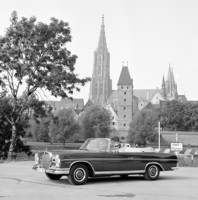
column 63, row 154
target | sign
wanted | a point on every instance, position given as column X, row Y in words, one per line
column 176, row 146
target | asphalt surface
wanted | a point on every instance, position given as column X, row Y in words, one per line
column 19, row 182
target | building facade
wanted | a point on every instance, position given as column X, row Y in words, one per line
column 125, row 99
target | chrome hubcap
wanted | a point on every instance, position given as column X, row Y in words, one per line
column 79, row 174
column 153, row 171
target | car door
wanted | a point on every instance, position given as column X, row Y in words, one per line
column 117, row 161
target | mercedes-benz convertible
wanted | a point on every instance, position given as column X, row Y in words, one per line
column 101, row 157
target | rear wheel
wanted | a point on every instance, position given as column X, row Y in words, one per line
column 53, row 176
column 78, row 174
column 152, row 172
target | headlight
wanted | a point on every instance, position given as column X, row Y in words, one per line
column 56, row 160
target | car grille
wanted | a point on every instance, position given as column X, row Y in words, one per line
column 46, row 160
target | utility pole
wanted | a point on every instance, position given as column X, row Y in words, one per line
column 159, row 135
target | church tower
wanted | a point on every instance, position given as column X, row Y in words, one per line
column 125, row 99
column 163, row 90
column 101, row 84
column 169, row 87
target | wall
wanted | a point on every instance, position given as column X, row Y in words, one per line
column 188, row 138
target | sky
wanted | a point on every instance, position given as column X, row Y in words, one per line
column 148, row 34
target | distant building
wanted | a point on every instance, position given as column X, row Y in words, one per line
column 125, row 101
column 75, row 104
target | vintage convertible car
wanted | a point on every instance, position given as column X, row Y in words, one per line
column 101, row 157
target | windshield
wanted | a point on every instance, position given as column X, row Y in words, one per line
column 96, row 144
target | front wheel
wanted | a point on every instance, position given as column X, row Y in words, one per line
column 78, row 174
column 152, row 172
column 53, row 176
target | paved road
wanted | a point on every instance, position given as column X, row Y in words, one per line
column 19, row 182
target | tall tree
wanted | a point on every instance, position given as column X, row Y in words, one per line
column 6, row 130
column 143, row 127
column 96, row 122
column 172, row 113
column 34, row 56
column 177, row 116
column 67, row 125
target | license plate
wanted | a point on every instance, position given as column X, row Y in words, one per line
column 40, row 170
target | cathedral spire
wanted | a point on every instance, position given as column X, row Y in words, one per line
column 101, row 84
column 103, row 20
column 171, row 86
column 102, row 39
column 169, row 77
column 163, row 88
column 163, row 82
column 173, row 78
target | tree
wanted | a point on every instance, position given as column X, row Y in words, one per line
column 143, row 127
column 172, row 113
column 6, row 131
column 34, row 56
column 96, row 122
column 41, row 129
column 53, row 129
column 36, row 110
column 66, row 124
column 179, row 116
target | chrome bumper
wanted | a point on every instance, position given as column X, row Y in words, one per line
column 63, row 171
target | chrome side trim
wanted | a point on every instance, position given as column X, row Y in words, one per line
column 120, row 159
column 120, row 172
column 98, row 159
column 155, row 163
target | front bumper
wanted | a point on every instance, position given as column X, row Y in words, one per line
column 51, row 170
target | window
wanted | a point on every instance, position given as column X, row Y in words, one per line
column 124, row 100
column 124, row 93
column 124, row 116
column 113, row 123
column 124, row 108
column 124, row 125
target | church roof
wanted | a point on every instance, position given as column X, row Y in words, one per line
column 144, row 93
column 125, row 78
column 182, row 98
column 87, row 105
column 67, row 103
